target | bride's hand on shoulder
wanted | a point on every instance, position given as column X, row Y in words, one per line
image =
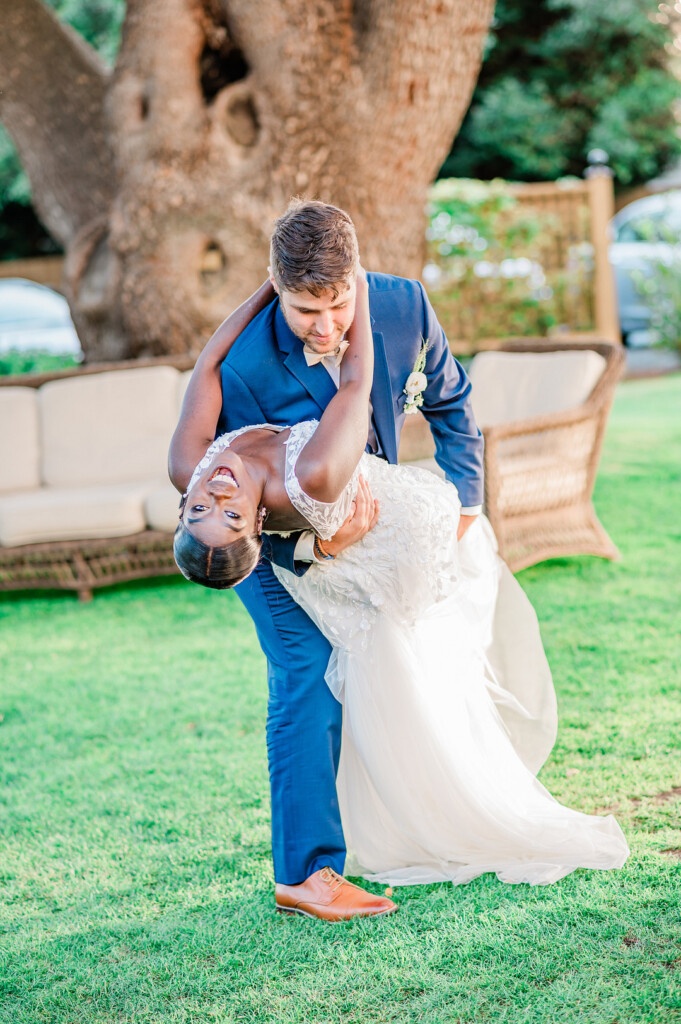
column 363, row 517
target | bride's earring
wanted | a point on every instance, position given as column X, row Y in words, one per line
column 262, row 512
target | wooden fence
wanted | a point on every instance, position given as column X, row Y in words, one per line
column 45, row 270
column 582, row 212
column 569, row 249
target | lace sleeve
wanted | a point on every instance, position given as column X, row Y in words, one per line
column 325, row 518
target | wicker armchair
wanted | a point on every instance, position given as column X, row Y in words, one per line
column 540, row 472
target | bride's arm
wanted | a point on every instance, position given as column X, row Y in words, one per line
column 330, row 457
column 203, row 399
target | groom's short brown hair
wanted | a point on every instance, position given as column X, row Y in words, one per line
column 313, row 248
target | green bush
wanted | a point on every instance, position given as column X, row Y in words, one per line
column 561, row 77
column 660, row 285
column 492, row 268
column 34, row 361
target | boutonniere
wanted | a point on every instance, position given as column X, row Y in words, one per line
column 417, row 382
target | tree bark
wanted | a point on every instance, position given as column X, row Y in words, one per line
column 219, row 111
column 52, row 91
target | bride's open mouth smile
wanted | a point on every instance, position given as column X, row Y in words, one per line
column 222, row 475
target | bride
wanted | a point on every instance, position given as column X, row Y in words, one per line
column 448, row 703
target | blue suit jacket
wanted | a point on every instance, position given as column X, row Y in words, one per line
column 265, row 379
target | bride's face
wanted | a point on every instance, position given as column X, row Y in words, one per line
column 222, row 506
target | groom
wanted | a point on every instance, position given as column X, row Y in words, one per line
column 284, row 369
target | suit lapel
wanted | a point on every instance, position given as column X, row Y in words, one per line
column 314, row 379
column 382, row 401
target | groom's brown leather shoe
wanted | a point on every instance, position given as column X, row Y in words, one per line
column 330, row 897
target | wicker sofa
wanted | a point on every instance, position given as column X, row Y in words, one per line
column 85, row 499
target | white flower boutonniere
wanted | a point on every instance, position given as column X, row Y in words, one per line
column 416, row 383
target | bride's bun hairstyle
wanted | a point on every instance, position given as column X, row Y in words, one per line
column 313, row 248
column 216, row 567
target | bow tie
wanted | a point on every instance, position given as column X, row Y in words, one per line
column 312, row 357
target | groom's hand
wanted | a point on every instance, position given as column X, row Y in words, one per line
column 363, row 517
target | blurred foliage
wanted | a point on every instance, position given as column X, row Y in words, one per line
column 495, row 266
column 34, row 361
column 561, row 77
column 21, row 233
column 660, row 284
column 98, row 21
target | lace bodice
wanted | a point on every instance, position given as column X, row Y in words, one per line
column 404, row 566
column 324, row 517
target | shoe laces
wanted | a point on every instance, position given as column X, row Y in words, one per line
column 330, row 876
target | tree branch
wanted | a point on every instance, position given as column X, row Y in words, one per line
column 52, row 90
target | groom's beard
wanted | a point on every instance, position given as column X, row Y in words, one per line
column 309, row 339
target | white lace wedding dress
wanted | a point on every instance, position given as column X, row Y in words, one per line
column 448, row 703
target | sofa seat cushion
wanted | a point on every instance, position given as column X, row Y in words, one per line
column 512, row 386
column 108, row 428
column 19, row 445
column 162, row 508
column 72, row 513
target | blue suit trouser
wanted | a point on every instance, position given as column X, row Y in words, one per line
column 303, row 732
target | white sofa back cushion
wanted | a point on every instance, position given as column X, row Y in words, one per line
column 108, row 428
column 510, row 386
column 182, row 385
column 19, row 443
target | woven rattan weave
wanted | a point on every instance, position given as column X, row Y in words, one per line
column 540, row 473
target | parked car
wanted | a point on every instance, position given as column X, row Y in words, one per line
column 35, row 317
column 645, row 233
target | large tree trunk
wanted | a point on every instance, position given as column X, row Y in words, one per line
column 217, row 112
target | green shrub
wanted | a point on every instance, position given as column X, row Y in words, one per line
column 660, row 285
column 499, row 267
column 34, row 361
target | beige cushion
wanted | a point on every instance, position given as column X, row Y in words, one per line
column 19, row 448
column 162, row 508
column 416, row 440
column 429, row 464
column 510, row 386
column 71, row 513
column 183, row 381
column 108, row 427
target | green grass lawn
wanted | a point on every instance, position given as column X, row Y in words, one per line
column 134, row 848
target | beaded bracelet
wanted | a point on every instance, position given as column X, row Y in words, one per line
column 320, row 552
